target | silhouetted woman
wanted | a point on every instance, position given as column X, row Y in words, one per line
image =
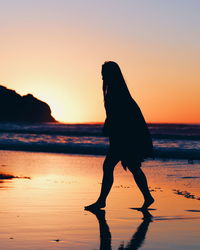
column 129, row 138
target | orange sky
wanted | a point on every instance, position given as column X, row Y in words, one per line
column 54, row 49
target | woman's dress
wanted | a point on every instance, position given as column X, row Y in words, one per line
column 129, row 137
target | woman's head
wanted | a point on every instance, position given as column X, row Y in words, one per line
column 111, row 72
column 113, row 80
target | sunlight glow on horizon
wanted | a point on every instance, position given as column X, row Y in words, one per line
column 55, row 49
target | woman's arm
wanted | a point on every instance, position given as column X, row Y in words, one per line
column 105, row 129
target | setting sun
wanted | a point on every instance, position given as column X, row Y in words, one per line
column 57, row 56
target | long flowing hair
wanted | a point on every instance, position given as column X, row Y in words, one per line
column 113, row 82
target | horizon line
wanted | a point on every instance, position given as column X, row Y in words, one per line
column 175, row 123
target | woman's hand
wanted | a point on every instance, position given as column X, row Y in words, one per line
column 105, row 129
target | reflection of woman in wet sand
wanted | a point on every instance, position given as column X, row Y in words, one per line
column 137, row 239
column 129, row 138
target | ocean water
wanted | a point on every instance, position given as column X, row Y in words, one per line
column 175, row 141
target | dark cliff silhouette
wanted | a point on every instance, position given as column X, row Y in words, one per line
column 27, row 108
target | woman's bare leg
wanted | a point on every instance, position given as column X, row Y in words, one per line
column 141, row 182
column 108, row 168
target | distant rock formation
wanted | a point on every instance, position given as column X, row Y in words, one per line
column 27, row 108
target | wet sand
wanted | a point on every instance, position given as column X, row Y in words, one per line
column 42, row 204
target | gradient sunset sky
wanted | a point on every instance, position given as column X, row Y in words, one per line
column 54, row 49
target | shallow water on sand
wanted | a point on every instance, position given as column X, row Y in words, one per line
column 45, row 209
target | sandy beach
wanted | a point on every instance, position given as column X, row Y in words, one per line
column 43, row 195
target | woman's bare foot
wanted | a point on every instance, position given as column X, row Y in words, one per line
column 147, row 203
column 95, row 206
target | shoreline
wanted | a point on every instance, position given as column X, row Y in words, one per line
column 185, row 154
column 42, row 205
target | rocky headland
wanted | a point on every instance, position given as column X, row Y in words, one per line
column 27, row 108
